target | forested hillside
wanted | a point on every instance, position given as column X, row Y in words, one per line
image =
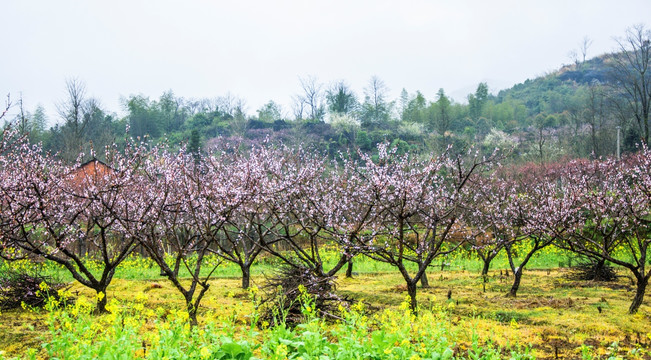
column 571, row 112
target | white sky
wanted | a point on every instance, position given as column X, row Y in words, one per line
column 257, row 49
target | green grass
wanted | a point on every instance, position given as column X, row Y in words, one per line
column 139, row 268
column 550, row 315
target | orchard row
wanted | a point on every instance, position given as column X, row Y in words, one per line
column 403, row 210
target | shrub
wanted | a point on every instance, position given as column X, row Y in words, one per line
column 286, row 292
column 23, row 289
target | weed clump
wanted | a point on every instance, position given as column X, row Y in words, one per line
column 592, row 271
column 294, row 290
column 27, row 290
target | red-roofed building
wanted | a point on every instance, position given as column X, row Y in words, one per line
column 93, row 171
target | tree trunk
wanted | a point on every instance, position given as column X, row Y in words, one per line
column 192, row 314
column 349, row 269
column 246, row 275
column 599, row 265
column 411, row 290
column 487, row 266
column 101, row 300
column 642, row 282
column 540, row 146
column 484, row 272
column 598, row 269
column 516, row 283
column 423, row 280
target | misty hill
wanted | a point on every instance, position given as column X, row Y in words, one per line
column 569, row 112
column 550, row 92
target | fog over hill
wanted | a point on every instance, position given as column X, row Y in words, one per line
column 257, row 50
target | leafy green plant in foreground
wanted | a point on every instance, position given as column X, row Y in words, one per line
column 132, row 330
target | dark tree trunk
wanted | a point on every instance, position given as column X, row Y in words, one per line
column 192, row 314
column 642, row 282
column 349, row 269
column 411, row 290
column 487, row 266
column 246, row 275
column 599, row 266
column 101, row 300
column 484, row 272
column 423, row 280
column 516, row 283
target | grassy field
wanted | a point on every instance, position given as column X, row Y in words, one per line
column 552, row 317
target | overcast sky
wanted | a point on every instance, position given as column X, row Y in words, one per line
column 257, row 50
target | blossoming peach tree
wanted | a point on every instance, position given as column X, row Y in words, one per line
column 419, row 203
column 58, row 216
column 612, row 219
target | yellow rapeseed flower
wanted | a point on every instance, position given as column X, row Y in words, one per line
column 205, row 352
column 359, row 306
column 183, row 315
column 302, row 289
column 281, row 350
column 140, row 353
column 141, row 297
column 514, row 324
column 112, row 306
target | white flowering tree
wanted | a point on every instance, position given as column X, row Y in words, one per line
column 420, row 203
column 62, row 217
column 163, row 207
column 303, row 209
column 250, row 183
column 523, row 213
column 612, row 221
